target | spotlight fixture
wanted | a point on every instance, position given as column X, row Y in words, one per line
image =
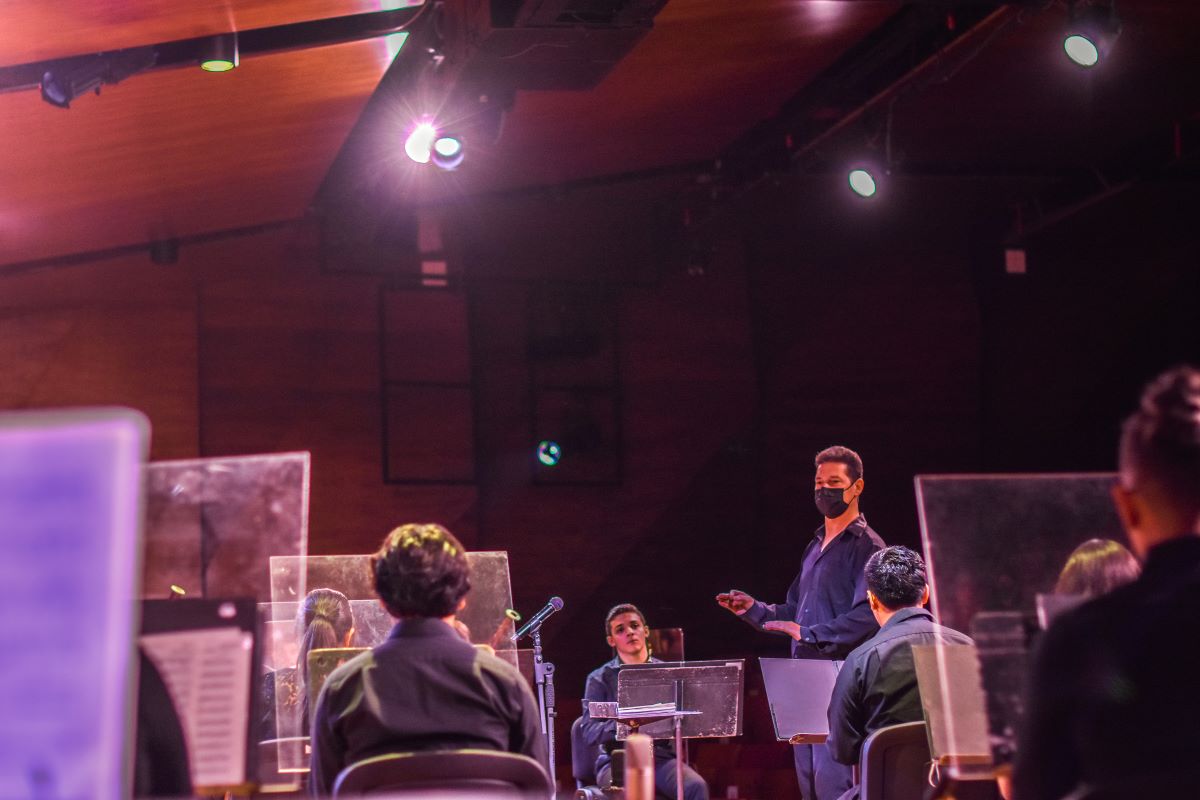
column 65, row 80
column 61, row 86
column 448, row 152
column 862, row 182
column 219, row 53
column 419, row 144
column 1092, row 28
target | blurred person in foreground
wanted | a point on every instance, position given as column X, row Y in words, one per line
column 424, row 688
column 1112, row 708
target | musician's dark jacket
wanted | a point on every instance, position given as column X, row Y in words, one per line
column 425, row 688
column 601, row 687
column 1112, row 700
column 877, row 686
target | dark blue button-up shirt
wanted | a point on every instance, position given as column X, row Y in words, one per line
column 829, row 597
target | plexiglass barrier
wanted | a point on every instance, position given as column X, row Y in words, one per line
column 285, row 718
column 488, row 603
column 993, row 545
column 213, row 524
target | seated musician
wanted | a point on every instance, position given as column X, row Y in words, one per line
column 877, row 686
column 626, row 631
column 424, row 688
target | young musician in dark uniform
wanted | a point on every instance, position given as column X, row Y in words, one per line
column 425, row 688
column 625, row 630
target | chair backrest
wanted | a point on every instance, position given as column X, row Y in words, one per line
column 894, row 764
column 463, row 772
column 583, row 756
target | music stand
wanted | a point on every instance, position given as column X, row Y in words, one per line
column 694, row 700
column 798, row 692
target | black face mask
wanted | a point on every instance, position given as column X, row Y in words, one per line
column 830, row 503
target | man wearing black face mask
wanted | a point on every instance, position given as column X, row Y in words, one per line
column 826, row 612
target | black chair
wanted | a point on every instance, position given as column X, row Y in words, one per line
column 465, row 773
column 894, row 764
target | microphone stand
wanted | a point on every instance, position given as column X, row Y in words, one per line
column 543, row 673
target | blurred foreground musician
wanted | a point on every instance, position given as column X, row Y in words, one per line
column 1113, row 708
column 424, row 688
column 625, row 630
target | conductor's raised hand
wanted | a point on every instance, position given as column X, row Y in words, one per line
column 736, row 601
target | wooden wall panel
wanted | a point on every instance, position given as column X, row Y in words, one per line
column 290, row 361
column 116, row 332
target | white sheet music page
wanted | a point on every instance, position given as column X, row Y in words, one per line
column 208, row 674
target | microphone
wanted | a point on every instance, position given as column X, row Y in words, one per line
column 537, row 619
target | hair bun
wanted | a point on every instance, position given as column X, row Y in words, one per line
column 1172, row 404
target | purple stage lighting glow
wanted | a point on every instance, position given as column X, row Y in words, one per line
column 419, row 144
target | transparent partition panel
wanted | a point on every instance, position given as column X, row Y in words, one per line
column 488, row 613
column 212, row 524
column 994, row 545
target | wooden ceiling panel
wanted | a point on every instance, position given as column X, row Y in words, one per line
column 178, row 152
column 708, row 70
column 38, row 30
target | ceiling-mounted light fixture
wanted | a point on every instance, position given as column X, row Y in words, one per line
column 1092, row 28
column 219, row 53
column 447, row 151
column 69, row 78
column 61, row 85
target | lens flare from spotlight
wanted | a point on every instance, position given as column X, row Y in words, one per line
column 448, row 152
column 862, row 183
column 419, row 144
column 1082, row 50
column 548, row 453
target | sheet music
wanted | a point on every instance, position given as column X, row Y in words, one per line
column 208, row 674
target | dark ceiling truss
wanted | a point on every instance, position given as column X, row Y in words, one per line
column 123, row 63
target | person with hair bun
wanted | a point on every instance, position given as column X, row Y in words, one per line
column 1112, row 708
column 323, row 620
column 424, row 688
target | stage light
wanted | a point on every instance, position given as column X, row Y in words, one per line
column 66, row 80
column 419, row 144
column 62, row 85
column 1092, row 28
column 548, row 453
column 219, row 53
column 862, row 182
column 448, row 152
column 1081, row 50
